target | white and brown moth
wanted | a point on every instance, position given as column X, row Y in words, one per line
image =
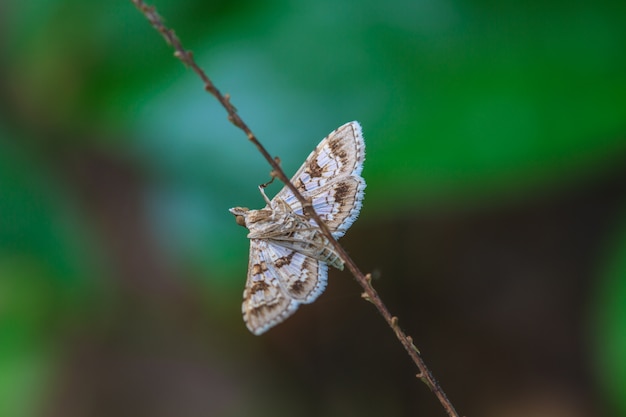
column 289, row 255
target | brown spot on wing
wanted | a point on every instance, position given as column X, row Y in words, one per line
column 258, row 269
column 259, row 286
column 299, row 185
column 341, row 191
column 284, row 260
column 297, row 288
column 314, row 170
column 338, row 149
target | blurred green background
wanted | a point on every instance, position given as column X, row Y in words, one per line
column 494, row 218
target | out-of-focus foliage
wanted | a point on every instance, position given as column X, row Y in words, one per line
column 609, row 324
column 463, row 103
column 44, row 277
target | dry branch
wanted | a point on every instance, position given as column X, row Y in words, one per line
column 369, row 293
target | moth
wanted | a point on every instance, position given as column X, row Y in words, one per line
column 289, row 255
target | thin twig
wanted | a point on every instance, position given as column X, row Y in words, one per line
column 370, row 293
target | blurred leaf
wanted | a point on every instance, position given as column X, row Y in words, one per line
column 45, row 289
column 74, row 65
column 609, row 324
column 37, row 217
column 28, row 320
column 26, row 373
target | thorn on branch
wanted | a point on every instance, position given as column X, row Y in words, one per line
column 428, row 383
column 410, row 340
column 187, row 58
column 147, row 9
column 181, row 56
column 228, row 104
column 366, row 294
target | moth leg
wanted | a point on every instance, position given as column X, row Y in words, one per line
column 262, row 190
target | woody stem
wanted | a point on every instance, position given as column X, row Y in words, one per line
column 187, row 58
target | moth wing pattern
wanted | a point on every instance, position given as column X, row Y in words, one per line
column 289, row 257
column 264, row 301
column 331, row 178
column 279, row 280
column 302, row 278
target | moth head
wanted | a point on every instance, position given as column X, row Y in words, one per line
column 240, row 215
